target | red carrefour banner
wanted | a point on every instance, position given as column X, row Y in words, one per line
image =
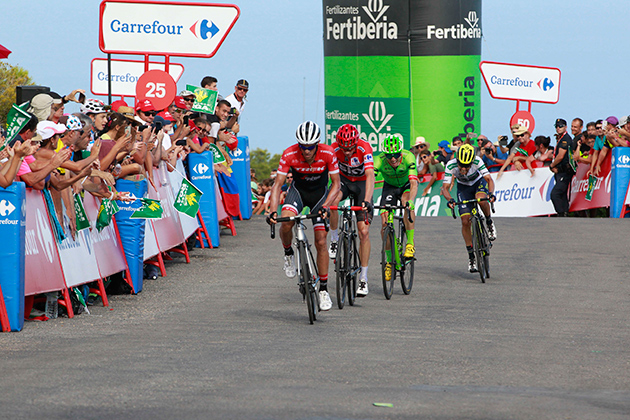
column 43, row 268
column 167, row 229
column 601, row 192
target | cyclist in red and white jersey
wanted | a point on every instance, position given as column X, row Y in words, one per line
column 356, row 165
column 311, row 164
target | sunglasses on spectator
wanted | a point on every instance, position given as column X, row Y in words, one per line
column 519, row 135
column 243, row 89
column 189, row 99
column 150, row 113
column 303, row 147
column 425, row 156
column 598, row 127
column 393, row 155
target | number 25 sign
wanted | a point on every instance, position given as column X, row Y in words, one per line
column 157, row 86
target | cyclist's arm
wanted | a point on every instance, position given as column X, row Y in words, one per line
column 490, row 182
column 446, row 187
column 413, row 189
column 275, row 191
column 335, row 186
column 369, row 184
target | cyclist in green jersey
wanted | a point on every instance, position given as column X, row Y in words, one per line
column 397, row 166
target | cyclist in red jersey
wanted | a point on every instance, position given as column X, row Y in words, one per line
column 356, row 165
column 311, row 164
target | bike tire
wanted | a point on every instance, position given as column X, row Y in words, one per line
column 406, row 271
column 306, row 277
column 388, row 238
column 486, row 252
column 341, row 269
column 353, row 266
column 478, row 249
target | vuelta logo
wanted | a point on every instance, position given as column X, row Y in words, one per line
column 202, row 28
column 458, row 31
column 355, row 28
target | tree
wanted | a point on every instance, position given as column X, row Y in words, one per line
column 10, row 77
column 262, row 162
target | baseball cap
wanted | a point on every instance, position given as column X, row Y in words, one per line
column 47, row 129
column 612, row 120
column 624, row 120
column 180, row 103
column 144, row 106
column 161, row 120
column 186, row 93
column 243, row 83
column 445, row 145
column 166, row 116
column 521, row 130
column 560, row 123
column 420, row 140
column 117, row 104
column 40, row 105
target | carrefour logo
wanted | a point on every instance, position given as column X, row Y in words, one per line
column 458, row 31
column 6, row 208
column 202, row 28
column 624, row 160
column 201, row 168
column 545, row 84
column 356, row 28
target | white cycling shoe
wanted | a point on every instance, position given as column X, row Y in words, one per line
column 332, row 250
column 324, row 301
column 289, row 266
column 362, row 291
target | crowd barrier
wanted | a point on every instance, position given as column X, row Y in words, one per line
column 35, row 263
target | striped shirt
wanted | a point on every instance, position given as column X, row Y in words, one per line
column 477, row 171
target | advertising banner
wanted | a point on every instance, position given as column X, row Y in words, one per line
column 189, row 224
column 600, row 195
column 164, row 28
column 125, row 75
column 168, row 230
column 521, row 82
column 400, row 67
column 620, row 179
column 242, row 175
column 78, row 257
column 202, row 176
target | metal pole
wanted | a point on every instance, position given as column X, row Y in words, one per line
column 109, row 78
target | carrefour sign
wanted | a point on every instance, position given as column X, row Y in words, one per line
column 164, row 28
column 521, row 82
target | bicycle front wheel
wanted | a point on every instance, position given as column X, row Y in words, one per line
column 479, row 249
column 353, row 270
column 341, row 269
column 406, row 270
column 306, row 276
column 388, row 267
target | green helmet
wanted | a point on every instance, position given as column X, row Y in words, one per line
column 392, row 144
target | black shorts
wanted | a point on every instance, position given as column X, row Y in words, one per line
column 295, row 201
column 469, row 192
column 391, row 195
column 356, row 191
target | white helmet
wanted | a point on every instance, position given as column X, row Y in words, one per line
column 308, row 133
column 93, row 106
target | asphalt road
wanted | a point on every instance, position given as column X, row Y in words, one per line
column 227, row 337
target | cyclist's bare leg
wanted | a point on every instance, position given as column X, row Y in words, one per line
column 286, row 229
column 485, row 206
column 334, row 215
column 408, row 225
column 322, row 252
column 466, row 232
column 364, row 246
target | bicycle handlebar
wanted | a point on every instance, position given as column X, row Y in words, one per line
column 346, row 208
column 475, row 200
column 294, row 218
column 389, row 207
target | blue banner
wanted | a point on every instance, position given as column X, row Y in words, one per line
column 620, row 178
column 241, row 168
column 201, row 174
column 132, row 230
column 12, row 252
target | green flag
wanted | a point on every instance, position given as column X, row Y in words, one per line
column 217, row 156
column 150, row 209
column 16, row 120
column 205, row 99
column 82, row 220
column 187, row 200
column 105, row 212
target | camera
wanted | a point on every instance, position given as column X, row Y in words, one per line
column 232, row 112
column 181, row 142
column 503, row 141
column 488, row 150
column 157, row 127
column 436, row 153
column 186, row 118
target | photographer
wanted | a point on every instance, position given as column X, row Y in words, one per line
column 520, row 153
column 444, row 153
column 490, row 155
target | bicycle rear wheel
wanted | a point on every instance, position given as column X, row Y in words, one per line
column 353, row 270
column 305, row 273
column 341, row 269
column 406, row 271
column 478, row 248
column 389, row 243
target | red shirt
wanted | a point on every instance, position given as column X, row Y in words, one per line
column 353, row 168
column 530, row 148
column 309, row 176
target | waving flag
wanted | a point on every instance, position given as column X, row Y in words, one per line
column 105, row 212
column 150, row 209
column 187, row 200
column 229, row 191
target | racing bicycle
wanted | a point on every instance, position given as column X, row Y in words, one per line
column 396, row 244
column 347, row 263
column 308, row 276
column 481, row 241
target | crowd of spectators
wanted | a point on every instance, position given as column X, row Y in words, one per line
column 87, row 151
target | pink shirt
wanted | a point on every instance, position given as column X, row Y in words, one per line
column 24, row 166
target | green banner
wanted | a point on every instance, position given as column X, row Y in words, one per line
column 187, row 200
column 150, row 209
column 81, row 216
column 105, row 213
column 16, row 120
column 217, row 156
column 205, row 99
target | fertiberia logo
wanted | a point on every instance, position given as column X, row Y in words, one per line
column 367, row 22
column 458, row 31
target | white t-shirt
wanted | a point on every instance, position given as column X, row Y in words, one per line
column 166, row 142
column 235, row 103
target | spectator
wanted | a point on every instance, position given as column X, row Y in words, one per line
column 145, row 112
column 433, row 168
column 420, row 145
column 624, row 130
column 523, row 148
column 444, row 152
column 456, row 142
column 576, row 130
column 263, row 205
column 491, row 156
column 584, row 151
column 219, row 124
column 602, row 143
column 273, row 173
column 544, row 153
column 188, row 97
column 117, row 147
column 590, row 128
column 209, row 82
column 97, row 111
column 238, row 98
column 27, row 132
column 562, row 168
column 41, row 106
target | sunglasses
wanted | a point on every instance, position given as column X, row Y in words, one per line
column 189, row 99
column 243, row 89
column 520, row 135
column 393, row 155
column 150, row 113
column 303, row 147
column 598, row 127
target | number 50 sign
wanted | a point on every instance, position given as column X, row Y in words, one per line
column 157, row 86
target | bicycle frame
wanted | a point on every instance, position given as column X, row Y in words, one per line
column 391, row 216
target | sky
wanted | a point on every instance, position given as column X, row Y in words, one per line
column 277, row 45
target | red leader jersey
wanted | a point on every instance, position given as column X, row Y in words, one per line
column 353, row 168
column 309, row 177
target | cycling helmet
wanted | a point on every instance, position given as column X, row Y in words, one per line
column 465, row 154
column 74, row 123
column 308, row 133
column 392, row 144
column 347, row 136
column 93, row 106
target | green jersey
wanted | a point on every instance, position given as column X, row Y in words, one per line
column 400, row 175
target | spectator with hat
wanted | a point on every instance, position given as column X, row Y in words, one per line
column 188, row 97
column 624, row 131
column 563, row 168
column 145, row 112
column 606, row 129
column 444, row 152
column 97, row 111
column 420, row 145
column 523, row 148
column 433, row 167
column 41, row 105
column 237, row 99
